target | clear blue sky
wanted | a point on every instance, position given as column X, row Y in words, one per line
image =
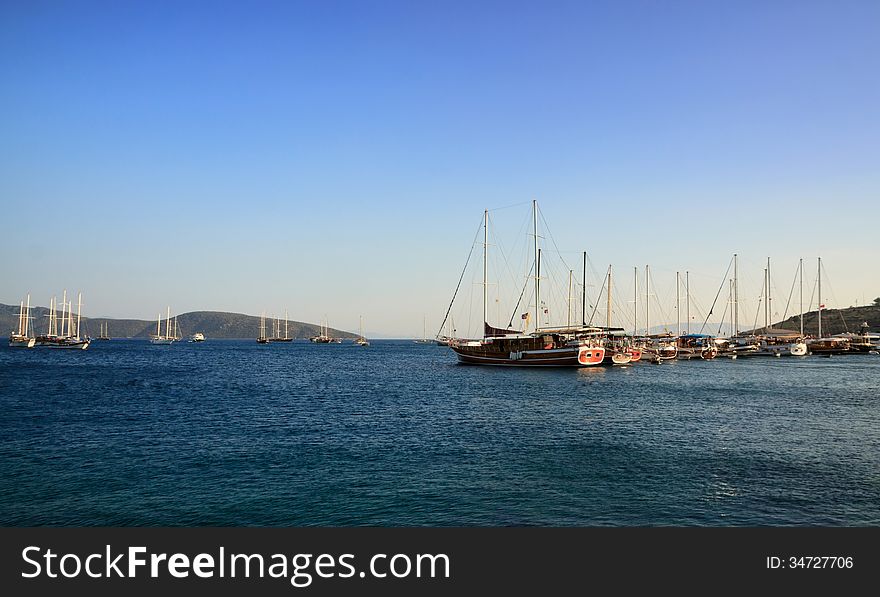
column 334, row 158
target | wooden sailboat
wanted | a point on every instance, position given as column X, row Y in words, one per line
column 69, row 337
column 52, row 329
column 324, row 336
column 826, row 346
column 616, row 350
column 104, row 333
column 170, row 336
column 276, row 330
column 560, row 347
column 21, row 338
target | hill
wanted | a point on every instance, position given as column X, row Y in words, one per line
column 835, row 321
column 214, row 324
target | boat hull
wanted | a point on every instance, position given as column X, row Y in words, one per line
column 573, row 356
column 70, row 345
column 16, row 341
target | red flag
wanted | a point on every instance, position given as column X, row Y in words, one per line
column 822, row 306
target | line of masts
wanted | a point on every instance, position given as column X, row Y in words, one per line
column 67, row 327
column 733, row 290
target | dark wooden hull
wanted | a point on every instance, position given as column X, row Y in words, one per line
column 573, row 356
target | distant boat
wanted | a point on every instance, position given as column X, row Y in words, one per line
column 104, row 333
column 21, row 338
column 424, row 338
column 276, row 331
column 69, row 337
column 197, row 337
column 262, row 338
column 170, row 336
column 444, row 339
column 361, row 340
column 324, row 337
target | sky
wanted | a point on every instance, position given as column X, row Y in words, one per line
column 334, row 158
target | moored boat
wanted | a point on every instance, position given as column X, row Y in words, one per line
column 21, row 338
column 544, row 347
column 361, row 340
column 170, row 336
column 696, row 346
column 70, row 337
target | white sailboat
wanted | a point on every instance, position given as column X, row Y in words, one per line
column 361, row 340
column 424, row 338
column 324, row 337
column 276, row 330
column 169, row 336
column 21, row 338
column 69, row 337
column 799, row 348
column 262, row 338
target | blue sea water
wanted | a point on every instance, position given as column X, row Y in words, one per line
column 234, row 433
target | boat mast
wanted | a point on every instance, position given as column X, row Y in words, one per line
column 538, row 271
column 485, row 270
column 767, row 311
column 687, row 299
column 635, row 302
column 647, row 303
column 730, row 304
column 158, row 325
column 70, row 318
column 609, row 300
column 79, row 306
column 63, row 311
column 570, row 279
column 286, row 318
column 801, row 268
column 677, row 305
column 820, row 297
column 735, row 299
column 168, row 323
column 537, row 266
column 20, row 317
column 764, row 297
column 584, row 297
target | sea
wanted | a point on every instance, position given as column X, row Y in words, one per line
column 232, row 433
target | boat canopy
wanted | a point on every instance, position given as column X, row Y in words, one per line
column 490, row 332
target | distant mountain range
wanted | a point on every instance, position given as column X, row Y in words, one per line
column 214, row 324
